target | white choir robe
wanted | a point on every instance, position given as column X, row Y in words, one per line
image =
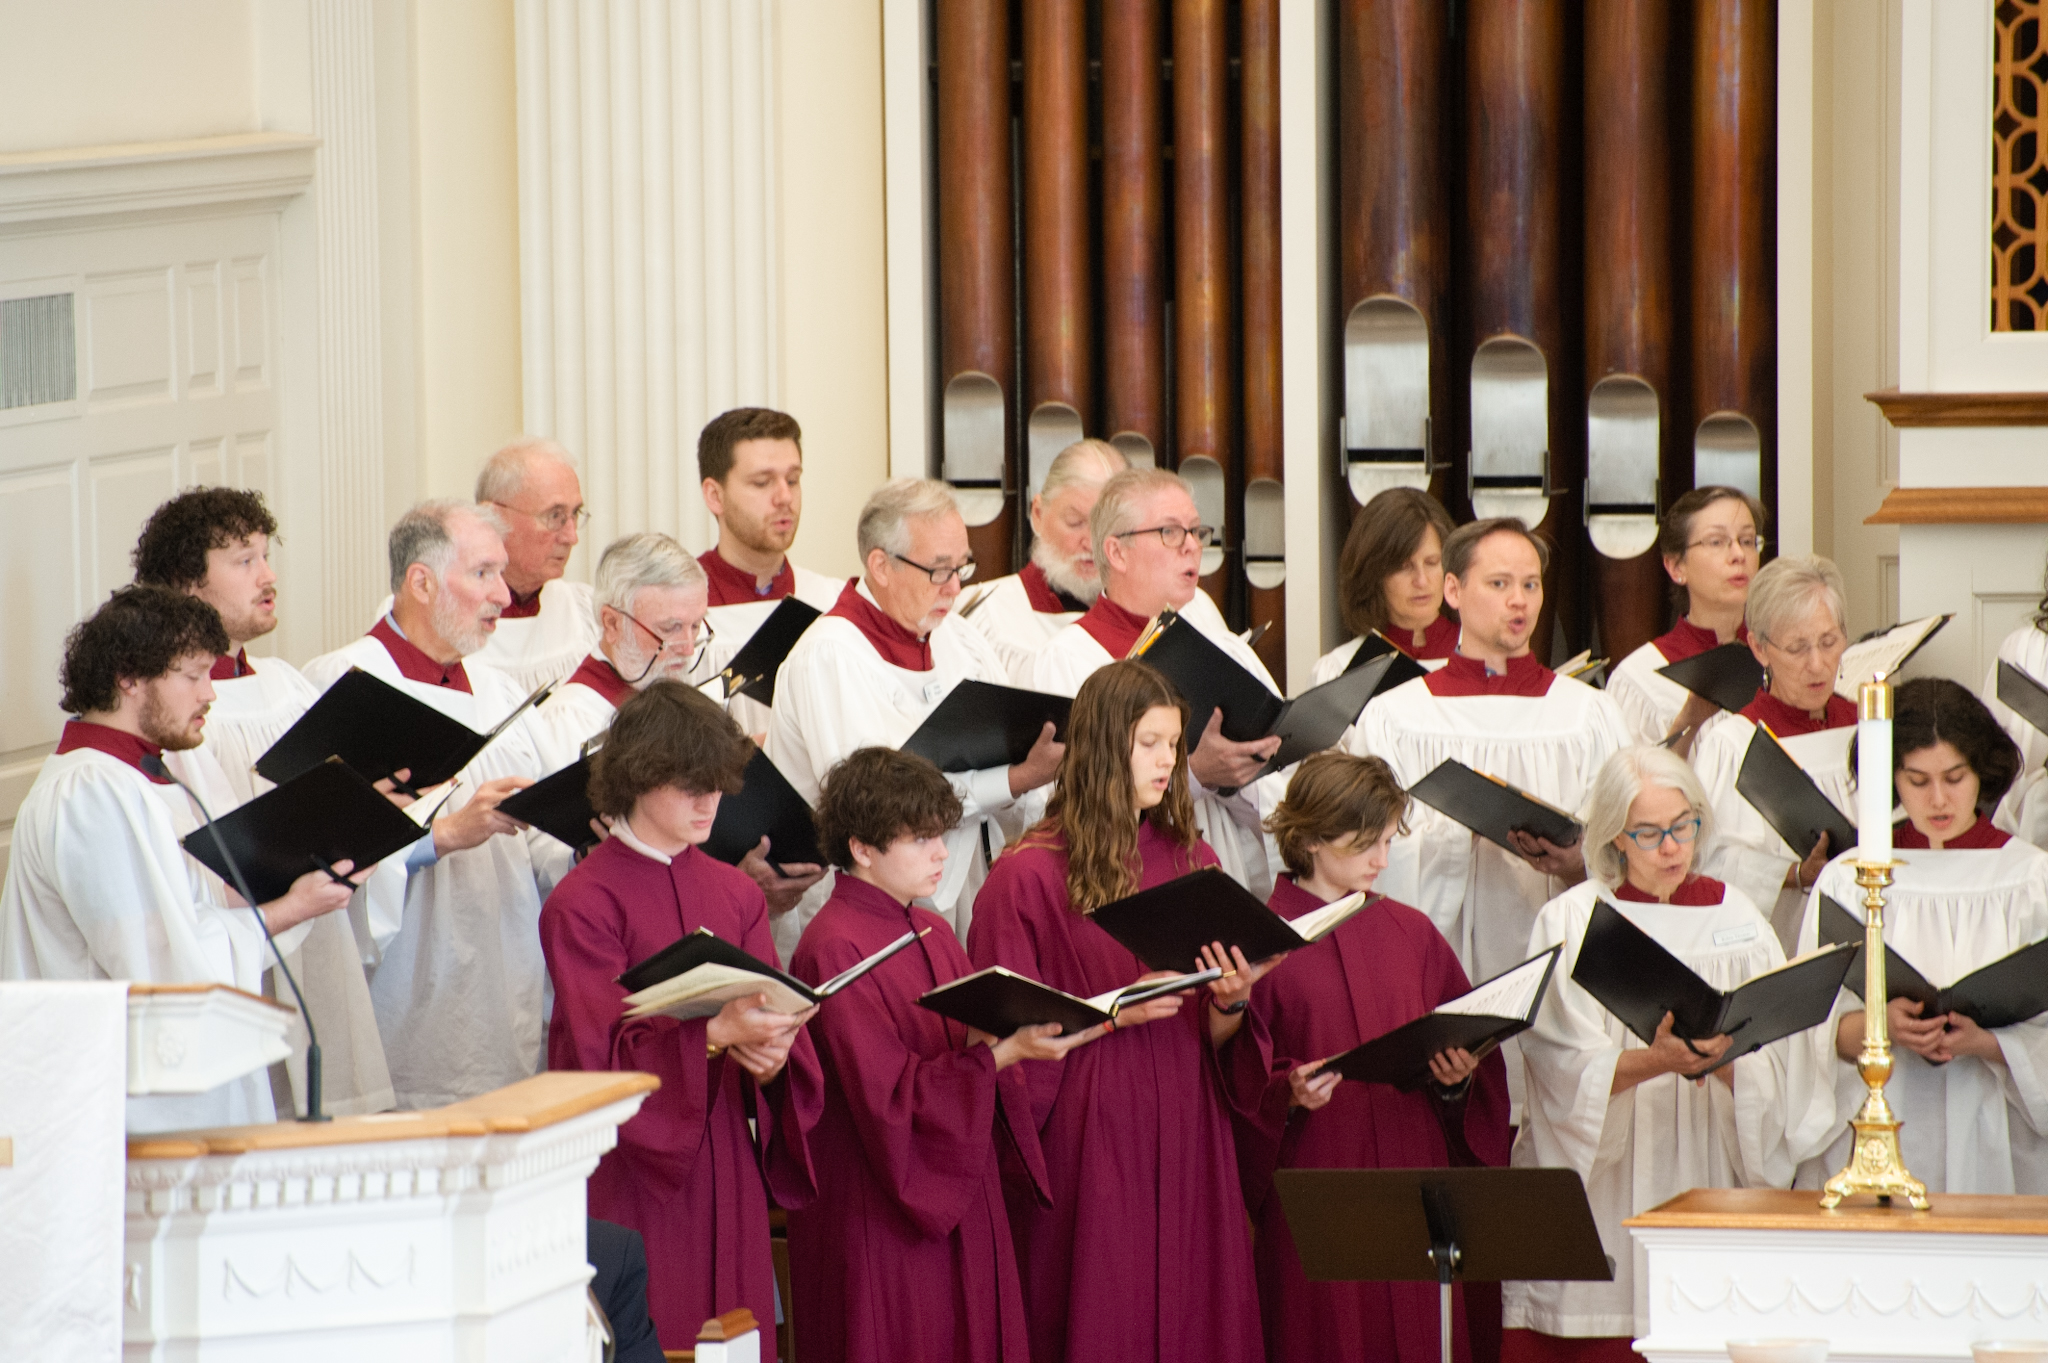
column 248, row 715
column 1658, row 1139
column 574, row 713
column 835, row 694
column 98, row 887
column 1967, row 1126
column 1015, row 628
column 1649, row 703
column 732, row 626
column 1746, row 851
column 2024, row 811
column 544, row 647
column 1234, row 826
column 457, row 976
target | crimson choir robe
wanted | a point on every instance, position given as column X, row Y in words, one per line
column 905, row 1255
column 687, row 1173
column 1144, row 1253
column 1386, row 966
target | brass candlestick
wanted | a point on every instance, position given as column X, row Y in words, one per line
column 1875, row 1165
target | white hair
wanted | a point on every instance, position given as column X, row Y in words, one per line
column 422, row 536
column 635, row 562
column 504, row 473
column 1085, row 463
column 1116, row 511
column 1784, row 592
column 1622, row 778
column 884, row 520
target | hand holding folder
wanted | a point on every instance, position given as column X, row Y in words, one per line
column 1778, row 788
column 1000, row 1002
column 1476, row 1021
column 1494, row 809
column 1168, row 926
column 2010, row 990
column 313, row 822
column 697, row 975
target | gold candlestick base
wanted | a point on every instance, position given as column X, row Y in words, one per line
column 1875, row 1165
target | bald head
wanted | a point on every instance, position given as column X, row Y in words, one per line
column 1061, row 545
column 533, row 482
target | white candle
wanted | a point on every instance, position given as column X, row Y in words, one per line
column 1874, row 771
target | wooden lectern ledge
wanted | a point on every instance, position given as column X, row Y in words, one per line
column 1797, row 1210
column 529, row 1105
column 135, row 987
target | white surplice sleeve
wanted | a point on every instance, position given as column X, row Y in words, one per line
column 1570, row 1051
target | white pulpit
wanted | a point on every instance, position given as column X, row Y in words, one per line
column 1879, row 1285
column 456, row 1233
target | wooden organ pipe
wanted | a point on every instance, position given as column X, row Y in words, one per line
column 1520, row 436
column 1734, row 170
column 1394, row 252
column 1057, row 361
column 977, row 305
column 1628, row 312
column 1133, row 218
column 1202, row 282
column 1265, row 525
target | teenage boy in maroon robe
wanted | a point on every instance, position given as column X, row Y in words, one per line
column 688, row 1173
column 1144, row 1253
column 905, row 1256
column 1382, row 968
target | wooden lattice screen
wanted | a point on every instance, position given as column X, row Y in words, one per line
column 2019, row 173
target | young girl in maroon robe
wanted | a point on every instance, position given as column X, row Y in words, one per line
column 1144, row 1253
column 687, row 1173
column 1384, row 967
column 905, row 1256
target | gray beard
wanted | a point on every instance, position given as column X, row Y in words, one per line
column 463, row 633
column 1062, row 576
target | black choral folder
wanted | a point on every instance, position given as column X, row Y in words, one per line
column 2022, row 695
column 2012, row 989
column 753, row 669
column 999, row 1001
column 1638, row 981
column 1492, row 808
column 699, row 973
column 311, row 822
column 1167, row 926
column 1729, row 675
column 378, row 729
column 1476, row 1021
column 980, row 724
column 767, row 805
column 558, row 805
column 1778, row 788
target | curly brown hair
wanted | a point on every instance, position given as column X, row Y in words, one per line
column 1931, row 710
column 1336, row 798
column 667, row 735
column 877, row 795
column 1384, row 535
column 1093, row 809
column 141, row 632
column 715, row 442
column 171, row 551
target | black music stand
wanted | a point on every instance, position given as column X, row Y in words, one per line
column 1418, row 1225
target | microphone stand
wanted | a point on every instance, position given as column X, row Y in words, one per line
column 156, row 766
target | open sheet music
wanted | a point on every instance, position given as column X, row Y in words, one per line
column 695, row 976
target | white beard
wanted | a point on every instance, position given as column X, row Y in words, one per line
column 1062, row 574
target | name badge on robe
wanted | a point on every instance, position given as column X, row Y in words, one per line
column 934, row 691
column 1728, row 937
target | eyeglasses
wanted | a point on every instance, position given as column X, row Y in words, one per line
column 941, row 576
column 1173, row 536
column 698, row 639
column 1651, row 838
column 1720, row 544
column 555, row 519
column 1827, row 643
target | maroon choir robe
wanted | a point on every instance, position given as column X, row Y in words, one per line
column 686, row 1173
column 905, row 1255
column 1144, row 1253
column 1384, row 967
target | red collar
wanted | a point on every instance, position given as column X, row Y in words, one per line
column 1439, row 640
column 1694, row 892
column 897, row 645
column 117, row 743
column 229, row 666
column 1463, row 676
column 1115, row 628
column 414, row 665
column 1980, row 837
column 1687, row 640
column 523, row 607
column 732, row 586
column 1786, row 722
column 1045, row 598
column 599, row 675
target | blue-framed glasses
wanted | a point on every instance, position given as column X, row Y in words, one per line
column 1650, row 838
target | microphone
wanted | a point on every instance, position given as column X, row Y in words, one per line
column 156, row 766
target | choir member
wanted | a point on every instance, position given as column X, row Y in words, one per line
column 1796, row 618
column 906, row 1253
column 1020, row 613
column 1495, row 708
column 214, row 543
column 1974, row 1103
column 98, row 886
column 2024, row 811
column 689, row 1173
column 548, row 627
column 1711, row 547
column 1634, row 1120
column 1148, row 541
column 458, row 980
column 1144, row 1251
column 1391, row 576
column 880, row 661
column 751, row 465
column 1382, row 968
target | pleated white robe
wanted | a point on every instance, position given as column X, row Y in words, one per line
column 575, row 713
column 733, row 625
column 1016, row 629
column 1746, row 851
column 2024, row 811
column 1331, row 665
column 1648, row 703
column 542, row 647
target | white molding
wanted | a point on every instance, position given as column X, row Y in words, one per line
column 906, row 178
column 250, row 171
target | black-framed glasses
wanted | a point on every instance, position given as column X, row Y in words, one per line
column 1650, row 838
column 555, row 519
column 940, row 576
column 1173, row 536
column 699, row 639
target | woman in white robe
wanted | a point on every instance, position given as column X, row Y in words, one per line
column 1392, row 576
column 2024, row 811
column 1633, row 1119
column 1973, row 1103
